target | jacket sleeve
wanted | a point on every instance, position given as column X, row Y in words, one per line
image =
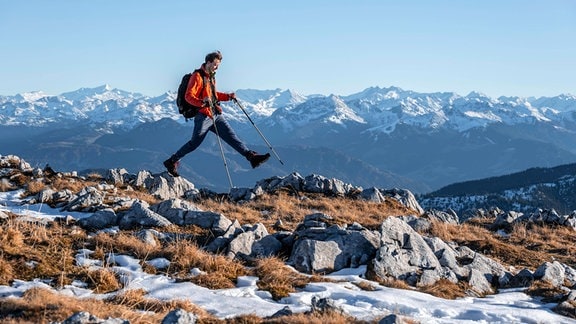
column 222, row 96
column 194, row 91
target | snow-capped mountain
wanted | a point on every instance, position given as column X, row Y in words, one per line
column 428, row 139
column 314, row 112
column 90, row 105
column 379, row 109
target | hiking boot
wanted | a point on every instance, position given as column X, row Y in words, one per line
column 172, row 167
column 257, row 159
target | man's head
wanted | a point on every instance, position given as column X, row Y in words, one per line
column 212, row 61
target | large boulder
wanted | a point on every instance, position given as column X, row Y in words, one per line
column 139, row 215
column 403, row 254
column 322, row 248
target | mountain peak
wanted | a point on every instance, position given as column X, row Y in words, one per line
column 103, row 92
column 477, row 95
column 105, row 87
column 30, row 96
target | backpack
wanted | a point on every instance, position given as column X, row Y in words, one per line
column 184, row 107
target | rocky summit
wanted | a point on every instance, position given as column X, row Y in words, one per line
column 385, row 229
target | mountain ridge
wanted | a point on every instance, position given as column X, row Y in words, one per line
column 527, row 191
column 429, row 140
column 378, row 104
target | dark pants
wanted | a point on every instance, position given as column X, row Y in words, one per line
column 203, row 124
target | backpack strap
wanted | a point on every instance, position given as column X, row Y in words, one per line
column 204, row 77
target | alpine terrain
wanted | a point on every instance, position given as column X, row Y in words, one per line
column 386, row 137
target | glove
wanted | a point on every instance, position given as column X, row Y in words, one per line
column 231, row 96
column 218, row 109
column 206, row 102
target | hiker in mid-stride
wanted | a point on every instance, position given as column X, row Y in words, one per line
column 201, row 94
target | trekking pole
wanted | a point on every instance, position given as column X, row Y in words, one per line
column 259, row 132
column 220, row 142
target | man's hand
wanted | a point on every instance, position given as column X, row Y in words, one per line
column 232, row 96
column 206, row 102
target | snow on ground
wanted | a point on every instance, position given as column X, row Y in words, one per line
column 508, row 306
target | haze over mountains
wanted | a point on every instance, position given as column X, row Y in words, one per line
column 383, row 137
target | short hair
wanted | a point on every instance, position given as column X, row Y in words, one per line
column 210, row 57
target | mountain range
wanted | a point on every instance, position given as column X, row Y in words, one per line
column 382, row 137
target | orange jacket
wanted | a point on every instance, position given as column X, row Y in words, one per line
column 197, row 91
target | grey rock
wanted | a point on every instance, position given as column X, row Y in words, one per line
column 241, row 194
column 174, row 209
column 101, row 219
column 218, row 223
column 115, row 176
column 449, row 217
column 480, row 284
column 403, row 254
column 241, row 246
column 286, row 311
column 372, row 194
column 87, row 318
column 393, row 319
column 139, row 215
column 405, row 197
column 323, row 305
column 524, row 278
column 89, row 199
column 552, row 272
column 180, row 316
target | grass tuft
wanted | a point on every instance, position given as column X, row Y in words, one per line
column 277, row 278
column 220, row 272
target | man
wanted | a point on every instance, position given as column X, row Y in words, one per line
column 201, row 92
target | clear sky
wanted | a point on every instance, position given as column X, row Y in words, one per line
column 497, row 47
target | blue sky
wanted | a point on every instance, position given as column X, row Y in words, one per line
column 512, row 47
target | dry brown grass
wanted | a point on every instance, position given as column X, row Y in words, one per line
column 365, row 285
column 37, row 251
column 446, row 289
column 20, row 179
column 242, row 319
column 44, row 306
column 101, row 280
column 136, row 299
column 73, row 184
column 220, row 271
column 6, row 271
column 526, row 245
column 95, row 177
column 34, row 187
column 480, row 239
column 546, row 290
column 291, row 210
column 332, row 317
column 393, row 283
column 141, row 195
column 548, row 242
column 275, row 277
column 124, row 243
